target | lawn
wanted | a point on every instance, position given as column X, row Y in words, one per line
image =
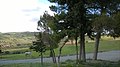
column 105, row 45
column 26, row 65
column 69, row 63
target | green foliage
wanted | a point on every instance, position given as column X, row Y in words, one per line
column 102, row 23
column 115, row 32
column 71, row 16
column 45, row 38
column 38, row 45
column 47, row 23
column 7, row 52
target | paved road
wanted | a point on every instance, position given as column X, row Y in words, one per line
column 111, row 56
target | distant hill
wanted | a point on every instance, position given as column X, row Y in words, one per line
column 16, row 39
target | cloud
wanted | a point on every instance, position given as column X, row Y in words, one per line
column 34, row 19
column 21, row 15
column 30, row 10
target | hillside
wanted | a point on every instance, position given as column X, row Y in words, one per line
column 16, row 39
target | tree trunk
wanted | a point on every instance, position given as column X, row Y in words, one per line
column 82, row 55
column 96, row 45
column 72, row 41
column 42, row 59
column 98, row 35
column 76, row 50
column 83, row 47
column 52, row 54
column 60, row 54
column 54, row 58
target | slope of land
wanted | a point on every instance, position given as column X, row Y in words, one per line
column 16, row 39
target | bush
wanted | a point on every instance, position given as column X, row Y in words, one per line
column 0, row 51
column 18, row 44
column 7, row 52
column 17, row 52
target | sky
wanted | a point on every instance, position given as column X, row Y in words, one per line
column 21, row 15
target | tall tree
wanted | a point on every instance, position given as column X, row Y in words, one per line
column 105, row 8
column 79, row 14
column 101, row 24
column 75, row 18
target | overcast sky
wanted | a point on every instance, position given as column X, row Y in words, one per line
column 21, row 15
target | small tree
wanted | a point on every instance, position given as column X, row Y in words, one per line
column 47, row 36
column 39, row 46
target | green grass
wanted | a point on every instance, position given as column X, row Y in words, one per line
column 17, row 49
column 27, row 65
column 105, row 45
column 69, row 63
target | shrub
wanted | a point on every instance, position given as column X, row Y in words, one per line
column 0, row 51
column 17, row 52
column 7, row 52
column 18, row 44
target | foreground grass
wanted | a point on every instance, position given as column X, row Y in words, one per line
column 26, row 65
column 105, row 45
column 68, row 63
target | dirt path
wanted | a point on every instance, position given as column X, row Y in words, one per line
column 110, row 55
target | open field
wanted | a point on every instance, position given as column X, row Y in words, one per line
column 105, row 45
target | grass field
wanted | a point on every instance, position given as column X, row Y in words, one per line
column 26, row 65
column 68, row 63
column 106, row 44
